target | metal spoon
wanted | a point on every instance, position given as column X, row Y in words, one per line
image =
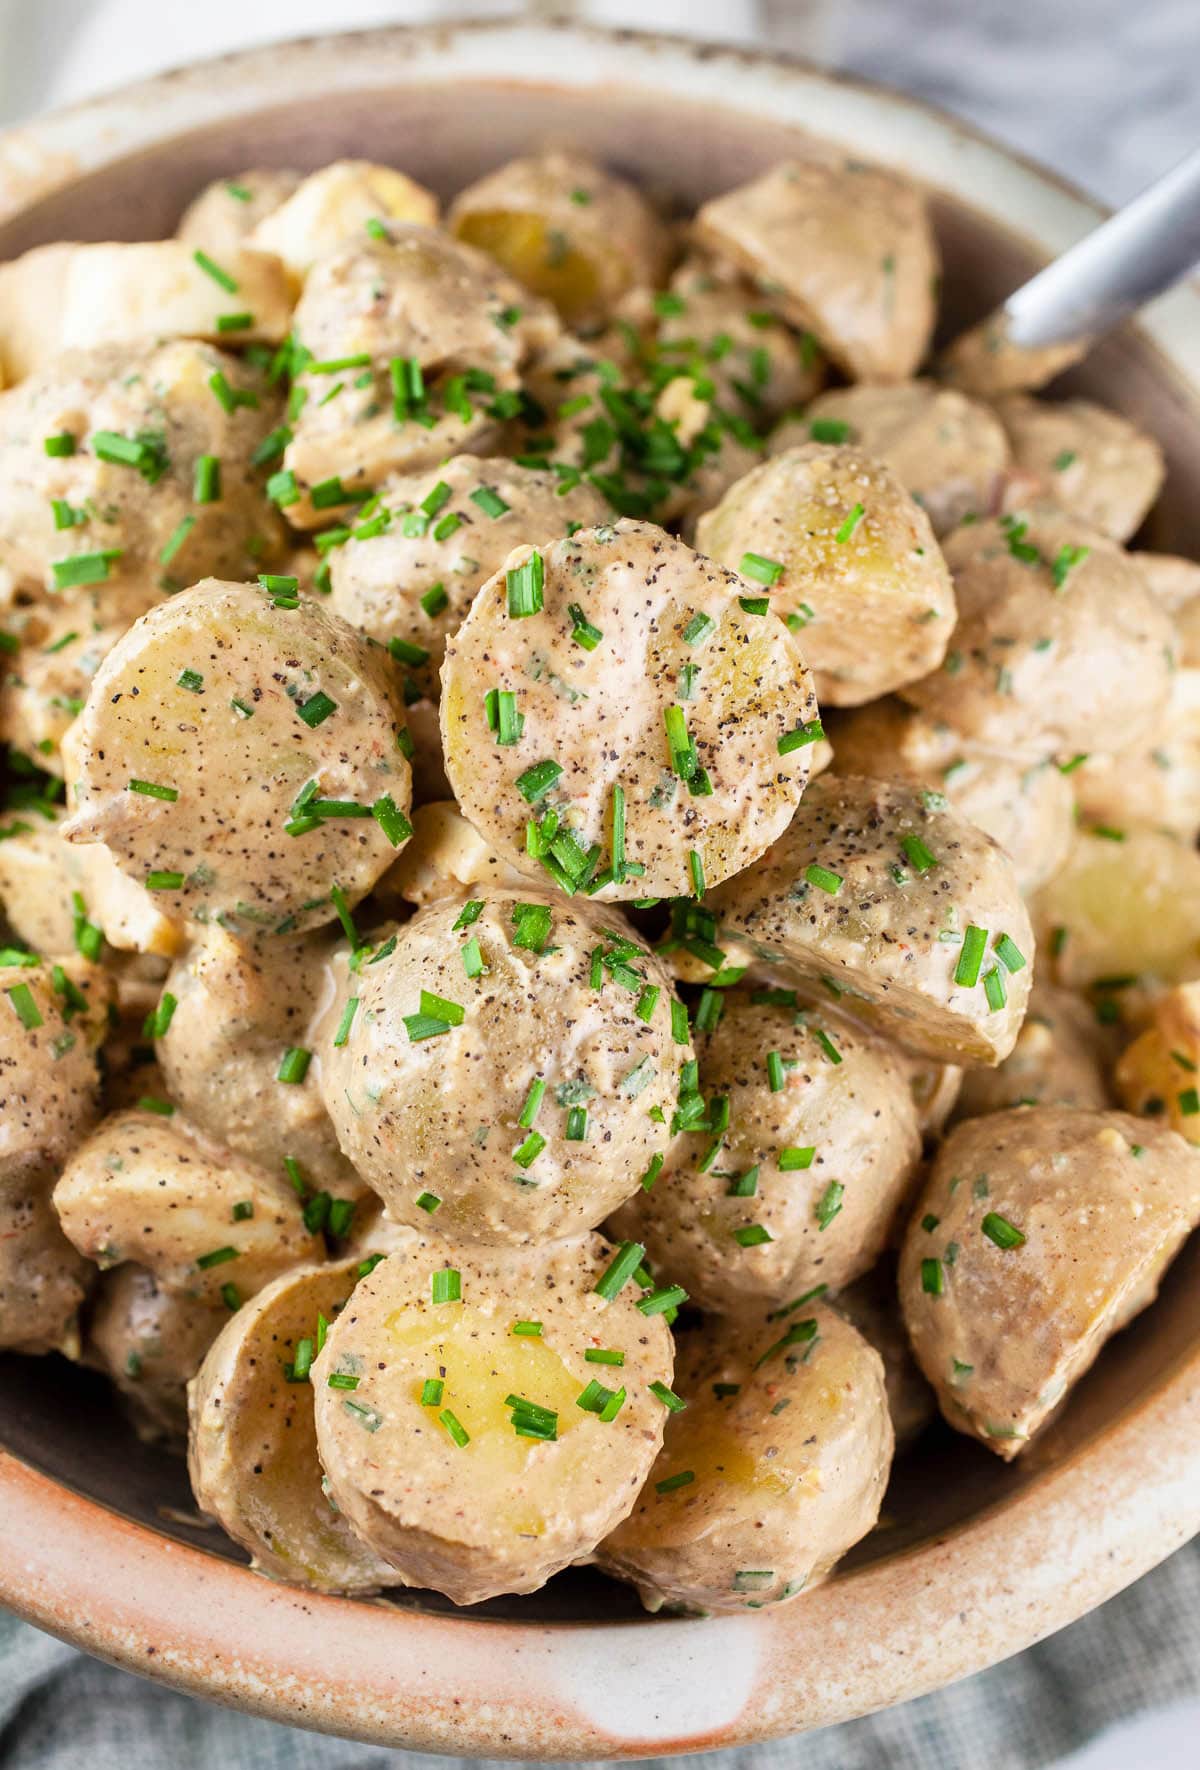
column 1052, row 320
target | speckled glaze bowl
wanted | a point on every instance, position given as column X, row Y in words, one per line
column 99, row 1541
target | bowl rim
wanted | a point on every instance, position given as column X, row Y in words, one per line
column 897, row 1628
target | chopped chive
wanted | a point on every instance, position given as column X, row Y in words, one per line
column 455, row 1428
column 472, row 958
column 151, row 790
column 1000, row 1231
column 970, row 959
column 1009, row 954
column 795, row 1157
column 852, row 521
column 432, row 1390
column 207, row 485
column 161, row 881
column 446, row 1285
column 1065, row 561
column 827, row 1045
column 218, row 1257
column 582, row 630
column 81, row 569
column 533, row 1101
column 916, row 853
column 24, row 1007
column 150, row 1103
column 671, row 1482
column 63, row 443
column 391, row 820
column 829, row 430
column 698, row 629
column 470, row 912
column 823, row 879
column 800, row 737
column 531, row 925
column 603, row 1355
column 219, row 276
column 621, row 1269
column 577, row 1122
column 537, row 781
column 182, row 530
column 293, row 1065
column 933, row 1277
column 490, row 502
column 762, row 570
column 696, row 869
column 527, row 1330
column 753, row 1235
column 993, row 989
column 428, row 1202
column 829, row 1204
column 453, row 1013
column 405, row 652
column 524, row 584
column 775, row 1076
column 342, row 1035
column 1189, row 1102
column 660, row 1300
column 435, row 600
column 652, row 1172
column 316, row 709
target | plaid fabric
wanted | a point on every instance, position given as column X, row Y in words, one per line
column 61, row 1711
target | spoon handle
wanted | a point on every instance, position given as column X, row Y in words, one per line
column 1137, row 254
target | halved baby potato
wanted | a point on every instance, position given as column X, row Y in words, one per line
column 412, row 345
column 229, row 1014
column 567, row 229
column 335, row 206
column 1027, row 807
column 208, row 1224
column 436, row 537
column 1157, row 1073
column 842, row 250
column 1040, row 1233
column 1059, row 648
column 774, row 1469
column 240, row 755
column 149, row 1343
column 949, row 452
column 850, row 561
column 808, row 1154
column 252, row 1455
column 618, row 694
column 221, row 218
column 102, row 455
column 905, row 913
column 1091, row 462
column 506, row 1064
column 486, row 1415
column 1060, row 1059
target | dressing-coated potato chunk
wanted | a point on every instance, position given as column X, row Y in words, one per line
column 144, row 1187
column 445, row 532
column 1028, row 808
column 905, row 912
column 565, row 228
column 849, row 557
column 1157, row 1073
column 1040, row 1232
column 45, row 683
column 334, row 207
column 1125, row 905
column 252, row 721
column 1173, row 580
column 458, row 331
column 149, row 1343
column 1059, row 1059
column 221, row 218
column 445, row 858
column 252, row 1455
column 508, row 1062
column 1059, row 646
column 481, row 1450
column 714, row 319
column 843, row 251
column 614, row 682
column 1158, row 785
column 51, row 1016
column 231, row 1012
column 948, row 451
column 803, row 1184
column 43, row 1281
column 776, row 1467
column 36, row 886
column 120, row 510
column 1090, row 461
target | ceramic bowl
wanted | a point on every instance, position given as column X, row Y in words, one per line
column 99, row 1540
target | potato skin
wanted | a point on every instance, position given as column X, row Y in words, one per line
column 150, row 1343
column 789, row 1469
column 876, row 938
column 290, row 700
column 252, row 1452
column 862, row 571
column 1001, row 1327
column 949, row 452
column 1037, row 667
column 642, row 591
column 145, row 1185
column 827, row 1221
column 441, row 1115
column 500, row 1512
column 841, row 250
column 1059, row 1059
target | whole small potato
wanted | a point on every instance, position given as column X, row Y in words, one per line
column 1040, row 1233
column 1060, row 1059
column 1090, row 461
column 776, row 1466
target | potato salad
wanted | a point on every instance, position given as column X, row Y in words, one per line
column 600, row 901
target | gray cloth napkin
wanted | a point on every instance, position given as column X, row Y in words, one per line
column 60, row 1711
